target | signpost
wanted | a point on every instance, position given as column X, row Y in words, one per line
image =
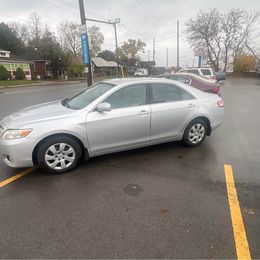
column 201, row 52
column 85, row 51
column 85, row 48
column 84, row 42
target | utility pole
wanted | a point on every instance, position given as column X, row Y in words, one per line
column 83, row 23
column 148, row 55
column 117, row 20
column 114, row 24
column 167, row 58
column 153, row 49
column 178, row 53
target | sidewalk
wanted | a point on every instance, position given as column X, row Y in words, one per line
column 42, row 83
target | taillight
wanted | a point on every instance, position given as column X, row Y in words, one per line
column 213, row 77
column 220, row 103
column 215, row 90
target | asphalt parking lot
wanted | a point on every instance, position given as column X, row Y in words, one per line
column 165, row 201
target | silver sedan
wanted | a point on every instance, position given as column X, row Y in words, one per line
column 109, row 116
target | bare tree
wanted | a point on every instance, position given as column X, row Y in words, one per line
column 96, row 39
column 21, row 31
column 254, row 51
column 36, row 28
column 224, row 35
column 205, row 30
column 69, row 34
column 70, row 37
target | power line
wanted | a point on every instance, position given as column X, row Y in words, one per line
column 149, row 11
column 61, row 7
column 71, row 10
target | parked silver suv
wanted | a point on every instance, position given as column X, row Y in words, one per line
column 204, row 72
column 107, row 117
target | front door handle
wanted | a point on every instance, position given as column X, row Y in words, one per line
column 143, row 112
column 191, row 105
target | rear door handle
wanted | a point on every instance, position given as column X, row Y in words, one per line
column 191, row 105
column 143, row 112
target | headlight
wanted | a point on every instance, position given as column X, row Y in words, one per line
column 15, row 133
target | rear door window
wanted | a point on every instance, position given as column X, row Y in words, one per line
column 168, row 93
column 206, row 72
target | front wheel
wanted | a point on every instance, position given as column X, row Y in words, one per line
column 59, row 154
column 195, row 133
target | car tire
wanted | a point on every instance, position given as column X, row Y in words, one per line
column 59, row 154
column 195, row 133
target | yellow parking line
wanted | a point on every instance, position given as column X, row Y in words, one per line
column 17, row 176
column 241, row 242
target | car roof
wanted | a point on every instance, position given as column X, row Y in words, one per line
column 120, row 81
column 196, row 68
column 124, row 81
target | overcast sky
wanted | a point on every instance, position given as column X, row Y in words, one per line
column 144, row 19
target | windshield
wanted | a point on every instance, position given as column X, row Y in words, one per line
column 87, row 96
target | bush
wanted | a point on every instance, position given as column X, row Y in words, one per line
column 4, row 73
column 75, row 70
column 19, row 74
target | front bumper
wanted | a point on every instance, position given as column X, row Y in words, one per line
column 17, row 153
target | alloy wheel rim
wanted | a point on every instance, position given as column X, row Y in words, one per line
column 196, row 133
column 60, row 156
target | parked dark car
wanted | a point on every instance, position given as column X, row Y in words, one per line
column 195, row 81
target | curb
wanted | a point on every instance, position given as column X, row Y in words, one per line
column 40, row 84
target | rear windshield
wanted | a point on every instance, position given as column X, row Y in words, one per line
column 87, row 96
column 194, row 71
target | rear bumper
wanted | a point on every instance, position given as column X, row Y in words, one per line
column 17, row 153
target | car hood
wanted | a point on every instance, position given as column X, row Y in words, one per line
column 38, row 113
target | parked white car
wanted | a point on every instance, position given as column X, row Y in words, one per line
column 205, row 72
column 141, row 72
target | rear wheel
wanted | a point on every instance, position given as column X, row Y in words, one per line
column 195, row 133
column 59, row 154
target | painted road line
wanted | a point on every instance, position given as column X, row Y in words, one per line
column 241, row 242
column 17, row 176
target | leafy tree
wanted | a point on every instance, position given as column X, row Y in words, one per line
column 4, row 74
column 75, row 70
column 96, row 39
column 9, row 41
column 107, row 55
column 19, row 74
column 128, row 51
column 245, row 63
column 49, row 49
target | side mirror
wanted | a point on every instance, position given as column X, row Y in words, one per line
column 102, row 107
